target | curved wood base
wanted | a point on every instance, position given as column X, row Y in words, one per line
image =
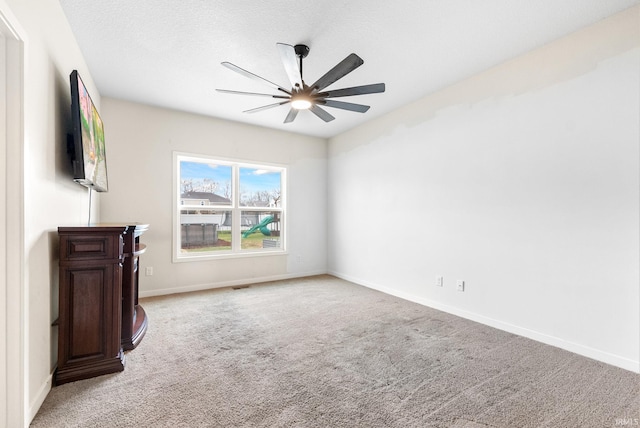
column 139, row 329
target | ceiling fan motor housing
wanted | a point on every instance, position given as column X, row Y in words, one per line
column 301, row 50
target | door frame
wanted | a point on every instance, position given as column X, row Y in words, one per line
column 13, row 402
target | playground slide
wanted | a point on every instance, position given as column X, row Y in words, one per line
column 262, row 226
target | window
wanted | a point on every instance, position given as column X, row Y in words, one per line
column 226, row 208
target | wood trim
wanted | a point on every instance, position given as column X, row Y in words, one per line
column 13, row 401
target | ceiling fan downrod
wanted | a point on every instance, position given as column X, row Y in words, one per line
column 301, row 52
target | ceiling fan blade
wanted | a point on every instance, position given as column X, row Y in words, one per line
column 356, row 90
column 360, row 108
column 250, row 75
column 291, row 116
column 257, row 109
column 226, row 91
column 321, row 113
column 343, row 68
column 290, row 62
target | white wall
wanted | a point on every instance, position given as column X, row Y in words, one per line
column 140, row 145
column 523, row 181
column 51, row 198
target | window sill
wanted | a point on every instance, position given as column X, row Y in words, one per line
column 243, row 255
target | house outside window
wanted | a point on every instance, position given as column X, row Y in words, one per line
column 227, row 208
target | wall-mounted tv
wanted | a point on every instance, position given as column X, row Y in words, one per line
column 86, row 144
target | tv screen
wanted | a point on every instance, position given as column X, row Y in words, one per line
column 88, row 149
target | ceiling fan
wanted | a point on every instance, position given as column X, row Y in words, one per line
column 309, row 97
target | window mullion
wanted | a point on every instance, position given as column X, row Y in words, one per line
column 237, row 218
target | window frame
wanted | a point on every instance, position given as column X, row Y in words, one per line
column 236, row 209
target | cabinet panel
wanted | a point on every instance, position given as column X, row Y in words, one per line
column 87, row 301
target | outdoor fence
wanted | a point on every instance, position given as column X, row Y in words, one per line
column 198, row 235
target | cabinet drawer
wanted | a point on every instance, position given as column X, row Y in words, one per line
column 95, row 246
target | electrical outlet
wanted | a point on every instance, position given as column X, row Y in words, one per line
column 148, row 271
column 439, row 281
column 460, row 285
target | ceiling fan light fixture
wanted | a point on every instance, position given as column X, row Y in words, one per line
column 301, row 103
column 304, row 97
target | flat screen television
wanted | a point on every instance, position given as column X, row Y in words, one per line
column 86, row 144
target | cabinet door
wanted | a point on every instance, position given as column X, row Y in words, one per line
column 90, row 314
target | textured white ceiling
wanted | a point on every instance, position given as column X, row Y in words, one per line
column 168, row 52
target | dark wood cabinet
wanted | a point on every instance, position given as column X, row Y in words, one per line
column 99, row 316
column 134, row 319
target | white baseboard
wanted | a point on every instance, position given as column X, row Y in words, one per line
column 224, row 284
column 35, row 405
column 585, row 351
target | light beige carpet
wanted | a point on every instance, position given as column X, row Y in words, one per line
column 323, row 352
